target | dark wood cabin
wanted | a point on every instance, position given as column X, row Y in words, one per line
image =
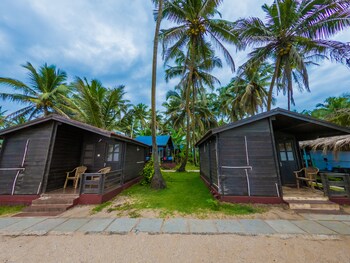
column 35, row 157
column 165, row 147
column 251, row 159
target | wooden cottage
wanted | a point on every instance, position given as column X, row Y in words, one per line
column 251, row 159
column 35, row 157
column 165, row 146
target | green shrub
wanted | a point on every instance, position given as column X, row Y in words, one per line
column 147, row 173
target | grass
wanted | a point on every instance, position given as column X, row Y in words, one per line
column 100, row 207
column 185, row 194
column 9, row 210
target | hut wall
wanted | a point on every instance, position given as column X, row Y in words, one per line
column 35, row 162
column 66, row 155
column 208, row 163
column 134, row 161
column 248, row 146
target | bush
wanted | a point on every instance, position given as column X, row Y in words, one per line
column 147, row 173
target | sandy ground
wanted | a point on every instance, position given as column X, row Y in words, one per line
column 172, row 248
column 271, row 212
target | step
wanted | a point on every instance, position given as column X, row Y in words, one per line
column 35, row 214
column 312, row 205
column 54, row 200
column 322, row 212
column 60, row 195
column 303, row 198
column 48, row 208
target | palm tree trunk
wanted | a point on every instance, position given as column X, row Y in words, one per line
column 275, row 74
column 289, row 86
column 46, row 111
column 188, row 111
column 157, row 180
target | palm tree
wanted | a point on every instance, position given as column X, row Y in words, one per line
column 94, row 104
column 195, row 29
column 158, row 181
column 176, row 114
column 2, row 118
column 295, row 30
column 43, row 95
column 201, row 79
column 249, row 88
column 334, row 109
column 140, row 115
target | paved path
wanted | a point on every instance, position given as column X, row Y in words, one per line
column 312, row 225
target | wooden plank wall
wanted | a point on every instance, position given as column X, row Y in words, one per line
column 134, row 161
column 207, row 162
column 262, row 178
column 204, row 161
column 66, row 155
column 35, row 162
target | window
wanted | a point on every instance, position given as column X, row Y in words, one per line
column 88, row 158
column 286, row 151
column 113, row 153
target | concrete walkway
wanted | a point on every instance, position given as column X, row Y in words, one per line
column 314, row 224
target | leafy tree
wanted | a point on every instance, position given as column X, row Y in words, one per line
column 195, row 29
column 249, row 88
column 334, row 109
column 293, row 31
column 43, row 94
column 96, row 105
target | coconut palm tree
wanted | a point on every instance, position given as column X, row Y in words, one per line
column 249, row 88
column 177, row 117
column 334, row 109
column 140, row 115
column 195, row 28
column 2, row 118
column 94, row 104
column 42, row 95
column 292, row 31
column 158, row 181
column 201, row 79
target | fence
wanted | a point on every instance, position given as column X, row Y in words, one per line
column 98, row 183
column 336, row 184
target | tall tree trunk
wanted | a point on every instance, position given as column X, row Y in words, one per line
column 158, row 181
column 274, row 77
column 289, row 86
column 182, row 167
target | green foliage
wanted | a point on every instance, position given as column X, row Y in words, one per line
column 185, row 194
column 100, row 207
column 147, row 173
column 295, row 34
column 44, row 93
column 8, row 210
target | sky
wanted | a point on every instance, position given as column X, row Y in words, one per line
column 111, row 40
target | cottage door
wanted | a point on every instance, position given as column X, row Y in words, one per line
column 113, row 156
column 287, row 161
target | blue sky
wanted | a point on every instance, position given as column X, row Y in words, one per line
column 112, row 41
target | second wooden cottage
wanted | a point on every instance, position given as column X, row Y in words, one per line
column 251, row 159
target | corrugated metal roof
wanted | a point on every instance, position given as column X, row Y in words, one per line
column 162, row 140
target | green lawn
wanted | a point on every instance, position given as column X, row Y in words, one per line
column 185, row 194
column 9, row 210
